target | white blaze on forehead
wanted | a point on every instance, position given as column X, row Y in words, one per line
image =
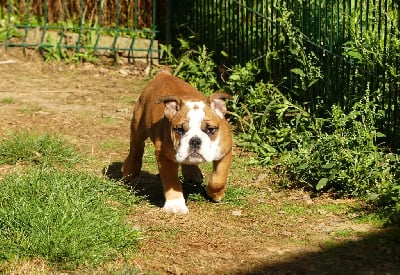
column 196, row 113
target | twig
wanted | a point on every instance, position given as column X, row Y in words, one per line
column 8, row 62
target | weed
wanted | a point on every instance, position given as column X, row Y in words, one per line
column 237, row 195
column 196, row 66
column 111, row 144
column 344, row 233
column 7, row 100
column 7, row 23
column 108, row 120
column 371, row 218
column 293, row 209
column 269, row 122
column 30, row 109
column 127, row 100
column 347, row 159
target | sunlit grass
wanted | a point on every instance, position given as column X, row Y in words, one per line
column 59, row 213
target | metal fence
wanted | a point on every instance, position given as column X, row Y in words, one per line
column 354, row 44
column 117, row 28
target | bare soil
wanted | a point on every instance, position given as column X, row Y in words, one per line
column 264, row 231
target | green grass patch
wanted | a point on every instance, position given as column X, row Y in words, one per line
column 292, row 208
column 128, row 100
column 30, row 109
column 343, row 233
column 7, row 100
column 335, row 208
column 112, row 144
column 108, row 120
column 234, row 195
column 52, row 210
column 375, row 219
column 197, row 197
column 67, row 218
column 237, row 195
column 30, row 148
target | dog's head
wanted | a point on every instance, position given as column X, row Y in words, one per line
column 199, row 131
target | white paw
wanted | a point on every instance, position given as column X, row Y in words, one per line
column 176, row 206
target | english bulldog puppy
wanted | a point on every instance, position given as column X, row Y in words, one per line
column 187, row 129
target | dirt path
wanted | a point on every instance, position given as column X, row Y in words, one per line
column 259, row 230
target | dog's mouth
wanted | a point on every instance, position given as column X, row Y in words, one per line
column 194, row 157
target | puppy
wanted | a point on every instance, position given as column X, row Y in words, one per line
column 187, row 129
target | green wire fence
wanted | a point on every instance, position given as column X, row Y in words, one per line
column 353, row 46
column 117, row 28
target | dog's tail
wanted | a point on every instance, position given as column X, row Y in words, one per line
column 165, row 70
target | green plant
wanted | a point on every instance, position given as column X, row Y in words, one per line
column 30, row 148
column 237, row 195
column 346, row 158
column 7, row 22
column 111, row 144
column 30, row 108
column 196, row 66
column 68, row 218
column 7, row 100
column 269, row 122
column 306, row 68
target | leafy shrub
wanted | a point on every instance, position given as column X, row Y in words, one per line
column 269, row 122
column 195, row 66
column 345, row 158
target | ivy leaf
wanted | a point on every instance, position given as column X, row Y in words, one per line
column 303, row 166
column 297, row 71
column 321, row 183
column 224, row 53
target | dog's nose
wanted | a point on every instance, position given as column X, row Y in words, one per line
column 195, row 143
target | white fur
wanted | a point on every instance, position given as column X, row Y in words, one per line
column 176, row 206
column 209, row 150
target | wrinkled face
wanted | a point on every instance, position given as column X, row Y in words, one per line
column 195, row 133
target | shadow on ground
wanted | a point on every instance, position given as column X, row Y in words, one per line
column 376, row 253
column 149, row 185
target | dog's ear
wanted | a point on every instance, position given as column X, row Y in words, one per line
column 217, row 103
column 172, row 105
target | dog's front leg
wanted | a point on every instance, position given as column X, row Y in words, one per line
column 174, row 200
column 217, row 184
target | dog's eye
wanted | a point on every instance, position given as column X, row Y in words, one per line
column 179, row 130
column 211, row 130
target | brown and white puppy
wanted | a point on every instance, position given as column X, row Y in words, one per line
column 187, row 129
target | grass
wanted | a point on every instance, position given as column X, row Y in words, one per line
column 58, row 213
column 7, row 100
column 30, row 109
column 31, row 148
column 112, row 144
column 108, row 120
column 237, row 196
